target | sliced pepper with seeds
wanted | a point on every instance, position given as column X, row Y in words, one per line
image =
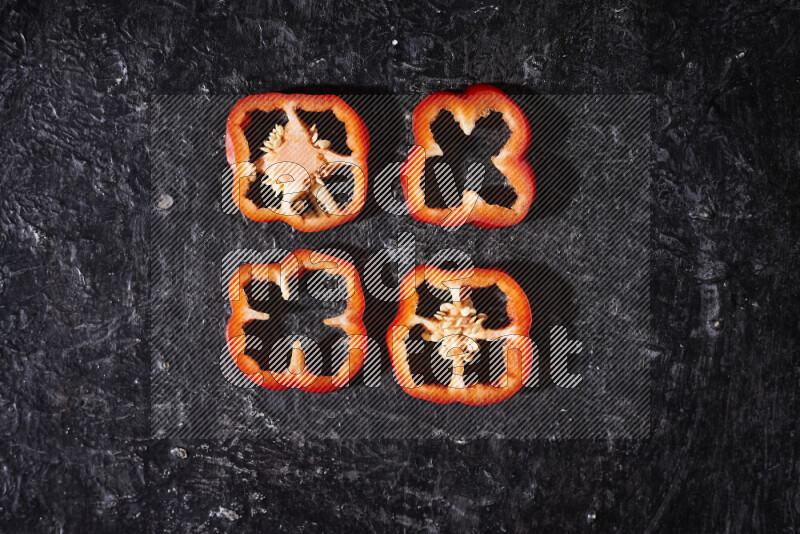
column 458, row 327
column 297, row 375
column 467, row 107
column 296, row 161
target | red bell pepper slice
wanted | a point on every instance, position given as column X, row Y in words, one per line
column 297, row 375
column 297, row 151
column 467, row 107
column 458, row 327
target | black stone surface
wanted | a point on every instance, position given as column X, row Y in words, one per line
column 723, row 454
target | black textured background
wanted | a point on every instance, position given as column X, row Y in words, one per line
column 75, row 79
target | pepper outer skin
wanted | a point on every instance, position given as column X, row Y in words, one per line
column 295, row 265
column 237, row 151
column 517, row 348
column 467, row 107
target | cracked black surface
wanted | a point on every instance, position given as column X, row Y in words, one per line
column 723, row 453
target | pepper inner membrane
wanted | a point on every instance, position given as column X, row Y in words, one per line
column 267, row 137
column 340, row 183
column 460, row 151
column 487, row 364
column 302, row 315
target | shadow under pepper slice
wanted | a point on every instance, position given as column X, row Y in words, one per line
column 296, row 161
column 458, row 327
column 467, row 107
column 297, row 375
